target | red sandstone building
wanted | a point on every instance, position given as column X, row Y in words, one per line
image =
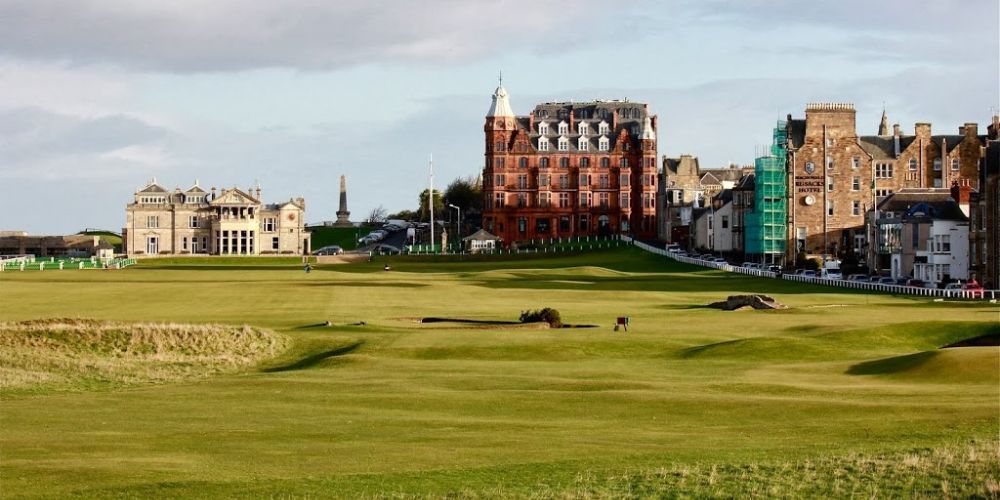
column 569, row 169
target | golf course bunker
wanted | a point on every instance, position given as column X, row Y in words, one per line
column 74, row 354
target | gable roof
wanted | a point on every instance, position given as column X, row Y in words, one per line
column 481, row 235
column 234, row 196
column 153, row 187
column 932, row 204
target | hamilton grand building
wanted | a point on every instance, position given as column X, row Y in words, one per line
column 569, row 169
column 226, row 222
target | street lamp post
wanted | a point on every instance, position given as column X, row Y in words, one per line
column 458, row 226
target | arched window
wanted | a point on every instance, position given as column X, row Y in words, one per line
column 522, row 162
column 584, row 162
column 543, row 163
column 605, row 162
column 499, row 146
column 564, row 162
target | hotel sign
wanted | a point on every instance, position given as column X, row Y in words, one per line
column 809, row 183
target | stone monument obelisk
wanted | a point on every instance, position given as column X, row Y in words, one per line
column 343, row 215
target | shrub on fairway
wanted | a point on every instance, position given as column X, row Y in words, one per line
column 547, row 315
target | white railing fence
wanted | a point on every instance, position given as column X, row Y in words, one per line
column 861, row 285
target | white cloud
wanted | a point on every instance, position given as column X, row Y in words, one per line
column 224, row 35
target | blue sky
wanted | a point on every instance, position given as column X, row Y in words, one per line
column 99, row 96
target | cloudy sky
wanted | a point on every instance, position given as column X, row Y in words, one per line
column 98, row 96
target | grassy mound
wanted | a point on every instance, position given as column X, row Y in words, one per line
column 953, row 364
column 71, row 354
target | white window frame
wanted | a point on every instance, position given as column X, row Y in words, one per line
column 543, row 127
column 583, row 128
column 563, row 144
column 153, row 221
column 583, row 144
column 563, row 128
column 543, row 144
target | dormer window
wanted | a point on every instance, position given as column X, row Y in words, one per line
column 603, row 144
column 583, row 144
column 543, row 144
column 543, row 128
column 563, row 143
column 603, row 128
column 563, row 128
column 584, row 128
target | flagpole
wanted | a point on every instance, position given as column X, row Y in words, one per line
column 430, row 199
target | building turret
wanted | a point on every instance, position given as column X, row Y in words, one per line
column 883, row 126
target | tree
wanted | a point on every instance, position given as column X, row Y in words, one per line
column 376, row 216
column 407, row 215
column 465, row 193
column 438, row 205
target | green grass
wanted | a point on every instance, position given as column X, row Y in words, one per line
column 817, row 400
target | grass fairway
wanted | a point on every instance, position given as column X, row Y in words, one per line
column 843, row 394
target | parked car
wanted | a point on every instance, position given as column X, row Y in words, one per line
column 831, row 274
column 775, row 269
column 857, row 277
column 874, row 278
column 808, row 273
column 915, row 283
column 329, row 250
column 974, row 287
column 673, row 248
column 887, row 281
column 720, row 260
column 384, row 248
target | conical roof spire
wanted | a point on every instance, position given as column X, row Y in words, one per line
column 883, row 126
column 501, row 105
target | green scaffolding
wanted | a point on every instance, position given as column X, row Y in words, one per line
column 766, row 224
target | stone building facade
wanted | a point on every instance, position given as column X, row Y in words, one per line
column 924, row 160
column 226, row 222
column 830, row 176
column 984, row 223
column 569, row 169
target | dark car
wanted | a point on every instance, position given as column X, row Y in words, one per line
column 329, row 250
column 915, row 283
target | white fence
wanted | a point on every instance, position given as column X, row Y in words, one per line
column 862, row 285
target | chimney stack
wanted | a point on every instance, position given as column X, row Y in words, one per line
column 960, row 192
column 969, row 130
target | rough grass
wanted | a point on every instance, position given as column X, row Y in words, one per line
column 50, row 354
column 970, row 471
